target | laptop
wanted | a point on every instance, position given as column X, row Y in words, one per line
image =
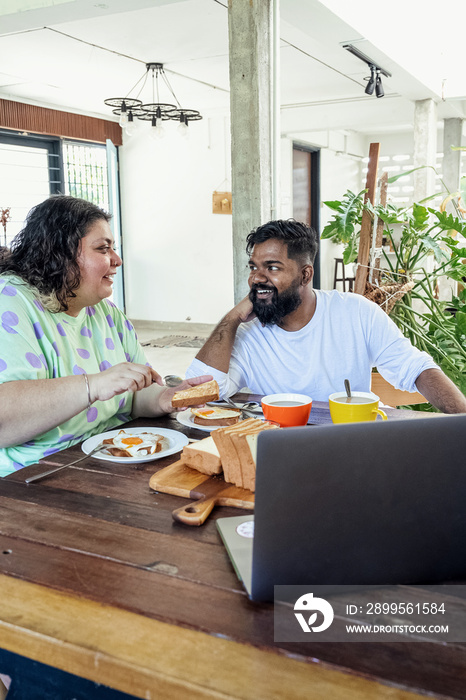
column 354, row 504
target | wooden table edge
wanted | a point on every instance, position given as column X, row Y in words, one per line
column 149, row 658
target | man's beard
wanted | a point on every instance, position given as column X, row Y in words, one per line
column 273, row 311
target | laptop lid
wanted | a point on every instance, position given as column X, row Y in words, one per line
column 362, row 503
column 237, row 535
column 358, row 504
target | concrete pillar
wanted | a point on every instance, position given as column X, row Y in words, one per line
column 452, row 132
column 425, row 147
column 250, row 32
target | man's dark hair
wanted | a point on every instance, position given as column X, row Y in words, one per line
column 45, row 252
column 301, row 240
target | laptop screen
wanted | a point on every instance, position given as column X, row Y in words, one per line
column 363, row 503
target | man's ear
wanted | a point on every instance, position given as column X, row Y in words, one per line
column 307, row 273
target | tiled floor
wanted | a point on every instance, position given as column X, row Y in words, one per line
column 170, row 360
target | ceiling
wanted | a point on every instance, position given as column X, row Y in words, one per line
column 72, row 54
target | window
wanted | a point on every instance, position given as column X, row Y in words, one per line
column 30, row 170
column 34, row 167
column 85, row 168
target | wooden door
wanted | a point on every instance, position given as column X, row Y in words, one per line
column 306, row 192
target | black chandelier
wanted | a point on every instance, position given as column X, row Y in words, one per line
column 131, row 108
column 374, row 81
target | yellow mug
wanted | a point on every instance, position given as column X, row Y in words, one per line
column 362, row 406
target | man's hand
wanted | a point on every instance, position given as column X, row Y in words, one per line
column 166, row 396
column 243, row 311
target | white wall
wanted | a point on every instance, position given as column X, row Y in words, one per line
column 178, row 255
column 178, row 260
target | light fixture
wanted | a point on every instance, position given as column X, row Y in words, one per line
column 130, row 107
column 378, row 86
column 131, row 126
column 371, row 81
column 375, row 80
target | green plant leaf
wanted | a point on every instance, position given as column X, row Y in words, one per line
column 447, row 222
column 350, row 253
column 458, row 252
column 395, row 178
column 335, row 204
column 420, row 217
column 330, row 230
column 431, row 244
column 347, row 212
column 460, row 318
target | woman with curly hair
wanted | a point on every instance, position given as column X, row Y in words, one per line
column 70, row 362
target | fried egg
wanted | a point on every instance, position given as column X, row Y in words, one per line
column 138, row 445
column 214, row 413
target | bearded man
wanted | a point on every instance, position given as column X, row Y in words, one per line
column 286, row 336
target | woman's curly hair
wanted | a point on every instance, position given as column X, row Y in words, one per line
column 45, row 252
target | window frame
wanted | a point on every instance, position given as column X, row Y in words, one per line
column 54, row 152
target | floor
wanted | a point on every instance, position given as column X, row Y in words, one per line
column 170, row 360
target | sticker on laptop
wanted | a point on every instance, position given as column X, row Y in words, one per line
column 246, row 529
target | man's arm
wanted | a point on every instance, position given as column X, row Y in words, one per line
column 440, row 391
column 216, row 352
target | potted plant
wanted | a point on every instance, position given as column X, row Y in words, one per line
column 426, row 245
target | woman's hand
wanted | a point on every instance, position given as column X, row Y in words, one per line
column 126, row 376
column 166, row 396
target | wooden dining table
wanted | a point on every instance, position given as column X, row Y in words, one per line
column 103, row 594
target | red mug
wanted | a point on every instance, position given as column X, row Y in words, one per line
column 287, row 409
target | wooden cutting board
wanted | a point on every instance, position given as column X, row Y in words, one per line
column 205, row 492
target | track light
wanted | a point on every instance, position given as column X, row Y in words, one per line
column 370, row 81
column 375, row 81
column 378, row 86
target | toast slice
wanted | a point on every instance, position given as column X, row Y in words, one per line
column 246, row 448
column 203, row 456
column 215, row 416
column 196, row 395
column 228, row 454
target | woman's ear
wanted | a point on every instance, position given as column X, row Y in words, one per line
column 307, row 274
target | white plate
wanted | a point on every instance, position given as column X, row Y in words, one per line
column 173, row 442
column 186, row 418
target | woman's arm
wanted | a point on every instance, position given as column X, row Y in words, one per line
column 30, row 407
column 33, row 406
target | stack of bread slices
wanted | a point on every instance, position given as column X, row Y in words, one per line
column 232, row 449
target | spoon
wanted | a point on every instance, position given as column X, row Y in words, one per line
column 172, row 380
column 244, row 412
column 251, row 405
column 348, row 391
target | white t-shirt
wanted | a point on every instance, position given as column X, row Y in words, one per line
column 347, row 336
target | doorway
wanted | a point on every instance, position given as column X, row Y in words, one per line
column 306, row 192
